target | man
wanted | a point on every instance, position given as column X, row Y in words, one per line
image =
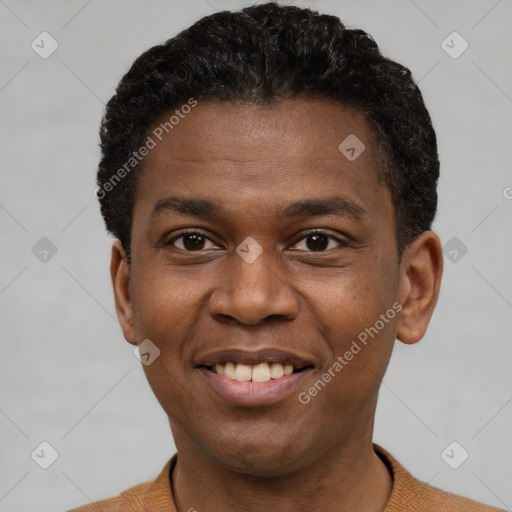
column 271, row 181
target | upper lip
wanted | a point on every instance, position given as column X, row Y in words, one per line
column 265, row 355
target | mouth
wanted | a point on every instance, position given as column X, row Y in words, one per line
column 257, row 378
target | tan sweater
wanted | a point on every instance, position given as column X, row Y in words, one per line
column 408, row 495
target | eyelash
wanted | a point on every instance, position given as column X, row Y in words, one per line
column 341, row 242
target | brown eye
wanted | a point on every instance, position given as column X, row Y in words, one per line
column 189, row 241
column 319, row 241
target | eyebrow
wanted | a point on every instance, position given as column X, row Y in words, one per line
column 198, row 207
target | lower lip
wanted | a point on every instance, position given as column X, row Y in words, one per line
column 254, row 393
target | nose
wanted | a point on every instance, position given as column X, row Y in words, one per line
column 252, row 292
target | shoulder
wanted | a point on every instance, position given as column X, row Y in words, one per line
column 412, row 495
column 444, row 501
column 131, row 500
column 155, row 495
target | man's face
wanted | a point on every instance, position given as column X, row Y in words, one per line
column 255, row 284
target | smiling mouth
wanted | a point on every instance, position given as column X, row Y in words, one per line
column 261, row 372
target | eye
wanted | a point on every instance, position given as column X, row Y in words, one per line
column 190, row 241
column 318, row 241
column 193, row 240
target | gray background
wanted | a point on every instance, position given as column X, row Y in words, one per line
column 68, row 376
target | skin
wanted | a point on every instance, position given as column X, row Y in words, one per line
column 254, row 161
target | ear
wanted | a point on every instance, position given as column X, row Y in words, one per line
column 421, row 269
column 121, row 283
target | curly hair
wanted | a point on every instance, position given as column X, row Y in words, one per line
column 262, row 55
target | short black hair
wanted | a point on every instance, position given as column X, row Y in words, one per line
column 264, row 54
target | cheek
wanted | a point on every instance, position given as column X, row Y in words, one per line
column 165, row 312
column 166, row 309
column 353, row 300
column 358, row 314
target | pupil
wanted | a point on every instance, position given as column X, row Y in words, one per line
column 196, row 241
column 316, row 245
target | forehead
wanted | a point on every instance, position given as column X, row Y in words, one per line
column 300, row 129
column 262, row 156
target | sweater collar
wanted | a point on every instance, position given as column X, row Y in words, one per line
column 159, row 498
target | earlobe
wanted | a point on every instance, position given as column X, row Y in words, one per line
column 121, row 283
column 420, row 280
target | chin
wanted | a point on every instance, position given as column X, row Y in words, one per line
column 263, row 455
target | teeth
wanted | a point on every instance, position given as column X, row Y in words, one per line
column 276, row 370
column 261, row 372
column 229, row 370
column 243, row 372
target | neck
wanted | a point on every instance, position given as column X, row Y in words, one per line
column 349, row 478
